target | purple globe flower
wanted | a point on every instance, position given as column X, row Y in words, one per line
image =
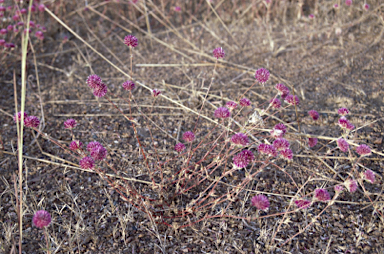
column 313, row 114
column 156, row 92
column 343, row 145
column 363, row 150
column 70, row 124
column 222, row 112
column 322, row 195
column 100, row 91
column 31, row 122
column 293, row 100
column 338, row 188
column 240, row 139
column 348, row 2
column 351, row 185
column 312, row 142
column 39, row 35
column 231, row 105
column 75, row 145
column 87, row 163
column 129, row 85
column 262, row 75
column 283, row 90
column 41, row 219
column 188, row 136
column 242, row 159
column 92, row 145
column 303, row 203
column 261, row 202
column 276, row 103
column 244, row 102
column 369, row 175
column 17, row 117
column 41, row 7
column 218, row 53
column 279, row 130
column 98, row 153
column 267, row 149
column 130, row 41
column 286, row 154
column 281, row 144
column 94, row 81
column 179, row 147
column 343, row 111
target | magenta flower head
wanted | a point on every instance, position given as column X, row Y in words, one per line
column 23, row 11
column 87, row 163
column 31, row 122
column 293, row 100
column 98, row 153
column 369, row 175
column 351, row 185
column 348, row 2
column 311, row 16
column 312, row 142
column 350, row 126
column 70, row 124
column 130, row 41
column 242, row 159
column 261, row 202
column 75, row 145
column 39, row 35
column 313, row 114
column 129, row 85
column 322, row 195
column 276, row 103
column 9, row 45
column 281, row 144
column 303, row 203
column 267, row 149
column 100, row 91
column 279, row 130
column 231, row 105
column 343, row 145
column 222, row 112
column 41, row 219
column 244, row 102
column 17, row 117
column 2, row 42
column 240, row 139
column 366, row 7
column 177, row 8
column 336, row 6
column 286, row 154
column 179, row 147
column 92, row 145
column 344, row 122
column 41, row 7
column 343, row 111
column 218, row 53
column 262, row 75
column 94, row 81
column 3, row 31
column 156, row 93
column 10, row 28
column 188, row 136
column 363, row 150
column 338, row 188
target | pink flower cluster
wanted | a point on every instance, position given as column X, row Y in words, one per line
column 242, row 159
column 218, row 53
column 130, row 41
column 261, row 202
column 95, row 83
column 41, row 219
column 29, row 121
column 128, row 85
column 279, row 130
column 222, row 112
column 240, row 139
column 262, row 75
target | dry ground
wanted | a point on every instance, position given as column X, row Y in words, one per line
column 328, row 71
